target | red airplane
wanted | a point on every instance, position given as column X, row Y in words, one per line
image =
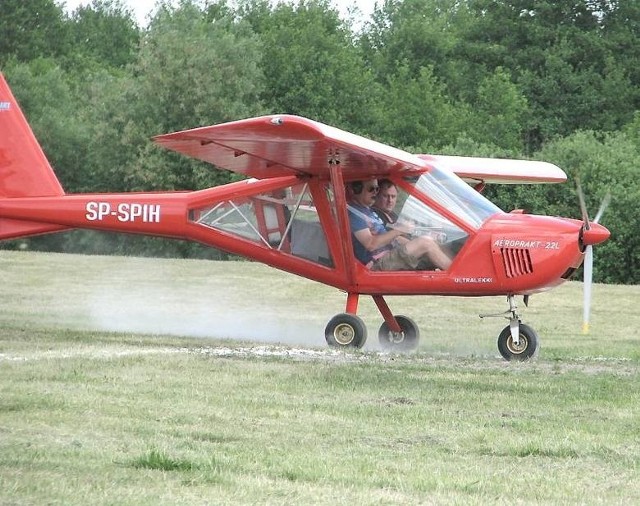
column 295, row 212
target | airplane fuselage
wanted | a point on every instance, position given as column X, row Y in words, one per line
column 509, row 253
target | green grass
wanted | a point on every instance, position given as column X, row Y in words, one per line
column 118, row 386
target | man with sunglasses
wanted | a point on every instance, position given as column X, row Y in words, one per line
column 381, row 248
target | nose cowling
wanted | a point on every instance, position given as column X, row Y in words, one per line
column 595, row 234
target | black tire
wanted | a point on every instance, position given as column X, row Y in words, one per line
column 525, row 350
column 346, row 330
column 405, row 341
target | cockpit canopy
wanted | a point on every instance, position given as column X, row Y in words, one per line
column 436, row 203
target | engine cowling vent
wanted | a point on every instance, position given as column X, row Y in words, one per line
column 516, row 261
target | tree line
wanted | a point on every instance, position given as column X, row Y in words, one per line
column 538, row 79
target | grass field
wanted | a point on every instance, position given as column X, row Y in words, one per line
column 147, row 381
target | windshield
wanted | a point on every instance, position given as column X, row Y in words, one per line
column 453, row 194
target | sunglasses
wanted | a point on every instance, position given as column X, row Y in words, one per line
column 373, row 189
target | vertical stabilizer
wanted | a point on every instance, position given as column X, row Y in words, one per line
column 24, row 169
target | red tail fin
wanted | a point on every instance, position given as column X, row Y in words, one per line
column 24, row 169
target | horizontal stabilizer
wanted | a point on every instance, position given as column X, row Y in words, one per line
column 13, row 229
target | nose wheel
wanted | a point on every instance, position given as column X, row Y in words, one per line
column 523, row 348
column 517, row 341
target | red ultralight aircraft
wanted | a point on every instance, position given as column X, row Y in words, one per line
column 291, row 213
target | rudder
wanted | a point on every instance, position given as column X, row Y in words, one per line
column 24, row 168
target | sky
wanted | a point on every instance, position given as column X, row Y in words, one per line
column 143, row 7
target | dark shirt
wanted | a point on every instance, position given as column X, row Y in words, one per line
column 386, row 217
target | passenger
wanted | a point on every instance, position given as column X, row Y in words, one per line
column 384, row 249
column 386, row 200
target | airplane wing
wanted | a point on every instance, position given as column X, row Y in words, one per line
column 499, row 170
column 281, row 145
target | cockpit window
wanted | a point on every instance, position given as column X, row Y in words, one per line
column 285, row 220
column 455, row 195
column 424, row 220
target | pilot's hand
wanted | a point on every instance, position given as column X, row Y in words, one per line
column 405, row 227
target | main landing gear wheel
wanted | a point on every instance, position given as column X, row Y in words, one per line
column 527, row 347
column 346, row 330
column 406, row 340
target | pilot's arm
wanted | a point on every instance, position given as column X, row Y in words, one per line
column 374, row 242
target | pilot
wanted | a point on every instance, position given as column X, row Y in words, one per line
column 381, row 248
column 386, row 200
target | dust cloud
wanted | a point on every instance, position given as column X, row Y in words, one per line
column 210, row 315
column 241, row 301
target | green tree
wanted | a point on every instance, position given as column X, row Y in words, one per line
column 105, row 32
column 563, row 55
column 412, row 33
column 30, row 30
column 415, row 113
column 500, row 112
column 190, row 72
column 310, row 64
column 476, row 102
column 573, row 62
